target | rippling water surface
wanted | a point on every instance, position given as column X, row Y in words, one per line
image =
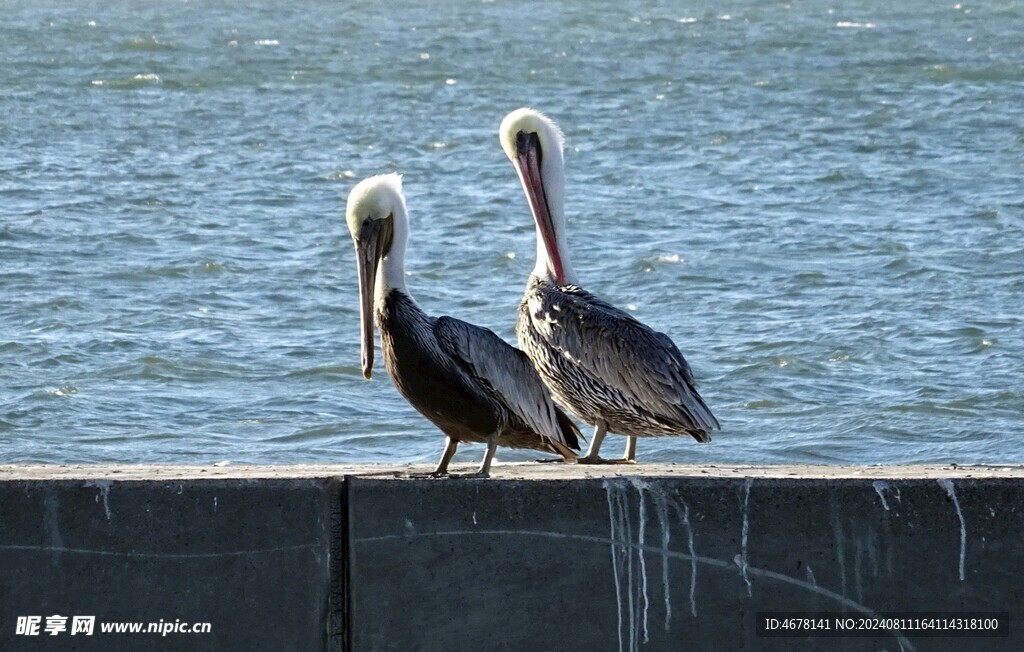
column 820, row 202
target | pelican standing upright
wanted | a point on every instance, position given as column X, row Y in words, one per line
column 465, row 379
column 600, row 363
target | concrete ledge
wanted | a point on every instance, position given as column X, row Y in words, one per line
column 500, row 471
column 652, row 557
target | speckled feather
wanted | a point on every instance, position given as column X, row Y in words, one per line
column 601, row 363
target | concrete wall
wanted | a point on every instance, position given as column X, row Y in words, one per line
column 250, row 557
column 537, row 558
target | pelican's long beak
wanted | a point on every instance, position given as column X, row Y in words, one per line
column 370, row 247
column 527, row 163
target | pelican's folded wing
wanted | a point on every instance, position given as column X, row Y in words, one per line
column 640, row 363
column 506, row 370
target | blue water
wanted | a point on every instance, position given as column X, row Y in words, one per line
column 822, row 204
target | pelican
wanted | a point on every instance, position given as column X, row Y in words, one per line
column 465, row 379
column 600, row 364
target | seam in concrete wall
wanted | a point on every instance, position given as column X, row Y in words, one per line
column 343, row 572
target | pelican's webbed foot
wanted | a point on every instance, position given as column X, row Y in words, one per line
column 433, row 475
column 596, row 459
column 480, row 474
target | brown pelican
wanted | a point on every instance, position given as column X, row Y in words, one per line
column 465, row 379
column 600, row 363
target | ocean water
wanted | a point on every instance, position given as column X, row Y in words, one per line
column 820, row 202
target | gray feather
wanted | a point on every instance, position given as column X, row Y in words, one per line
column 505, row 370
column 601, row 363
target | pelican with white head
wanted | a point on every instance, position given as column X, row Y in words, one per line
column 465, row 379
column 379, row 224
column 599, row 362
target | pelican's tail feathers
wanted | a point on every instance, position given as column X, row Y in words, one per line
column 570, row 432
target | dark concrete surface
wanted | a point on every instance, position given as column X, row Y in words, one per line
column 250, row 557
column 541, row 557
column 673, row 564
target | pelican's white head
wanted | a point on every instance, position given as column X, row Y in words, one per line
column 533, row 142
column 379, row 225
column 530, row 121
column 374, row 198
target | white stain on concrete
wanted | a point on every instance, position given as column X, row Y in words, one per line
column 642, row 487
column 51, row 519
column 947, row 485
column 882, row 488
column 837, row 532
column 629, row 566
column 629, row 549
column 615, row 518
column 693, row 563
column 744, row 559
column 104, row 487
column 661, row 512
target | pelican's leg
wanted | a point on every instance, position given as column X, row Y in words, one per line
column 593, row 457
column 629, row 457
column 446, row 457
column 485, row 466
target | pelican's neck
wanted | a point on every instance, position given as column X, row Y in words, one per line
column 391, row 269
column 553, row 175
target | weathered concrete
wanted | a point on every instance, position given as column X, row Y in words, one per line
column 540, row 557
column 251, row 557
column 501, row 471
column 668, row 564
